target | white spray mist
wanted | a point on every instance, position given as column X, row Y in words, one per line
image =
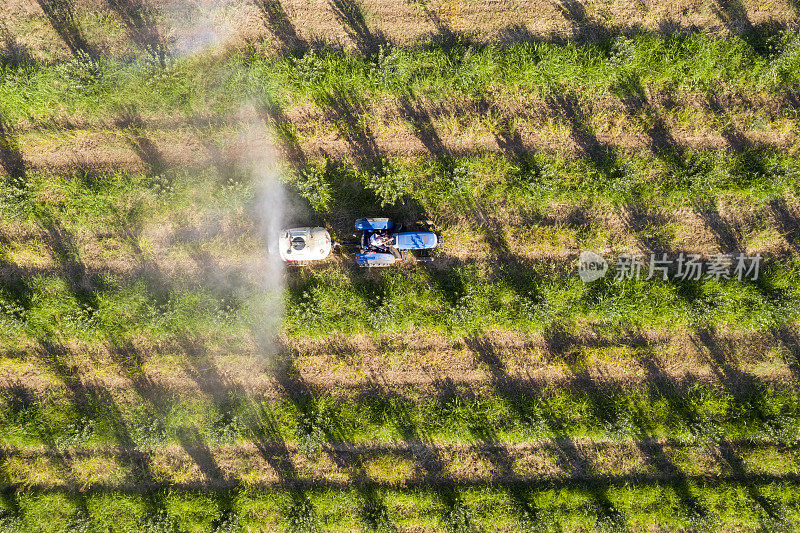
column 270, row 206
column 197, row 25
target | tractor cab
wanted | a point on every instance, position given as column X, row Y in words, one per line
column 382, row 243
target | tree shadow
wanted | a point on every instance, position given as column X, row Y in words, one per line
column 646, row 225
column 134, row 131
column 61, row 14
column 265, row 431
column 159, row 400
column 89, row 400
column 229, row 171
column 421, row 124
column 599, row 154
column 445, row 36
column 655, row 455
column 742, row 385
column 281, row 26
column 728, row 236
column 345, row 111
column 750, row 395
column 327, row 426
column 662, row 386
column 568, row 455
column 273, row 115
column 749, row 163
column 582, row 26
column 735, row 138
column 11, row 156
column 431, row 467
column 660, row 139
column 787, row 221
column 13, row 54
column 516, row 33
column 729, row 457
column 351, row 17
column 509, row 141
column 83, row 283
column 571, row 10
column 98, row 404
column 788, row 338
column 373, row 185
column 733, row 15
column 139, row 18
column 198, row 450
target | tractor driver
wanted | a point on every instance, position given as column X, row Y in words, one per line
column 380, row 240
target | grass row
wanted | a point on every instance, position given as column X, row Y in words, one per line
column 67, row 299
column 698, row 413
column 86, row 87
column 467, row 298
column 672, row 506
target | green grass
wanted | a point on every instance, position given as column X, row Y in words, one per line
column 502, row 290
column 96, row 263
column 725, row 506
column 516, row 412
column 693, row 62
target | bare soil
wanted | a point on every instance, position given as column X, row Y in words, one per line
column 363, row 26
column 497, row 362
column 402, row 464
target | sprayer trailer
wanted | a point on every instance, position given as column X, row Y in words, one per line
column 302, row 245
column 382, row 243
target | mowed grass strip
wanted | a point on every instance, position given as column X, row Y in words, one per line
column 411, row 464
column 402, row 364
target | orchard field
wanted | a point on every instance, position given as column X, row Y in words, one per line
column 490, row 390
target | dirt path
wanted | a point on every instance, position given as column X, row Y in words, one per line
column 110, row 150
column 364, row 26
column 404, row 464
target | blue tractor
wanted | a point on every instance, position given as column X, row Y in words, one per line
column 382, row 243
